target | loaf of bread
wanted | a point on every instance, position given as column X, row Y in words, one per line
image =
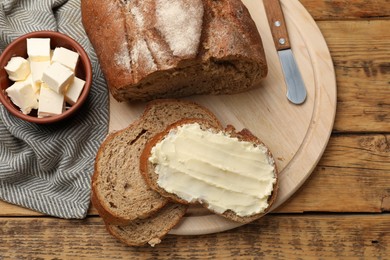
column 173, row 48
column 119, row 190
column 212, row 166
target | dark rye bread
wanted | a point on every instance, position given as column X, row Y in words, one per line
column 150, row 230
column 174, row 48
column 147, row 168
column 117, row 184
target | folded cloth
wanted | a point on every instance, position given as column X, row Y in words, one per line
column 48, row 168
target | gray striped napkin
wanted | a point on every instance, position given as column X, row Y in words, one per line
column 48, row 168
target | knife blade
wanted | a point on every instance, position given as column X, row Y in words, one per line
column 296, row 90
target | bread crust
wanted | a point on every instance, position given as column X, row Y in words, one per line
column 147, row 168
column 106, row 16
column 229, row 41
column 153, row 103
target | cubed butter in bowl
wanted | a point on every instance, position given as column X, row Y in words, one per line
column 45, row 77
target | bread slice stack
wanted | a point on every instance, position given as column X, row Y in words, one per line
column 119, row 192
column 125, row 189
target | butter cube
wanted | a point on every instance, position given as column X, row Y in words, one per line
column 17, row 68
column 38, row 49
column 37, row 69
column 50, row 102
column 66, row 57
column 22, row 95
column 74, row 90
column 35, row 86
column 58, row 77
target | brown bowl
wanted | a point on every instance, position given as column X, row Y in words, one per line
column 19, row 48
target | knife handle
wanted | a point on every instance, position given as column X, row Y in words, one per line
column 277, row 24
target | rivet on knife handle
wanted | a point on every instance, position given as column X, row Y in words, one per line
column 296, row 91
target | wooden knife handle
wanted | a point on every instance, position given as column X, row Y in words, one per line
column 277, row 23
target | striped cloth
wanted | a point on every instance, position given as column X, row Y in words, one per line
column 48, row 168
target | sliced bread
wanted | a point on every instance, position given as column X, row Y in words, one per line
column 259, row 186
column 150, row 230
column 119, row 190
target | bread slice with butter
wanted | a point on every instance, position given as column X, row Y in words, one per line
column 231, row 173
column 120, row 192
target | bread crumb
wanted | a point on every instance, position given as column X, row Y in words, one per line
column 154, row 241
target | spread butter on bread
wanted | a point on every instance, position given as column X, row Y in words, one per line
column 231, row 173
column 120, row 193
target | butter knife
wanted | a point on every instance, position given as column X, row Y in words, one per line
column 296, row 90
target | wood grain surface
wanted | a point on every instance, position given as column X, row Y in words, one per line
column 342, row 210
column 361, row 55
column 280, row 236
column 347, row 10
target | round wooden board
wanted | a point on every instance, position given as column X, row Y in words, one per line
column 296, row 135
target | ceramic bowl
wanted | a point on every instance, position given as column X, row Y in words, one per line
column 19, row 48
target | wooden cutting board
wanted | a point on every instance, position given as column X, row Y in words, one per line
column 296, row 135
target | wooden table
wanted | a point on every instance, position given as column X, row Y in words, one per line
column 340, row 212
